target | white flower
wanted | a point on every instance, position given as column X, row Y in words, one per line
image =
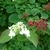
column 25, row 31
column 13, row 0
column 23, row 26
column 19, row 27
column 11, row 33
column 9, row 27
column 19, row 23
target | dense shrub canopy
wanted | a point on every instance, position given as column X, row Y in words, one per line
column 35, row 14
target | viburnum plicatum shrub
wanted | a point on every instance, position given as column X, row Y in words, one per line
column 29, row 18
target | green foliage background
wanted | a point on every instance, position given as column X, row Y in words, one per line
column 11, row 12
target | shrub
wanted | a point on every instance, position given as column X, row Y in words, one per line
column 35, row 16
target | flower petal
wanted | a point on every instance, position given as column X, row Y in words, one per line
column 11, row 33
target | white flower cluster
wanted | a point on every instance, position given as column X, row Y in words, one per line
column 21, row 27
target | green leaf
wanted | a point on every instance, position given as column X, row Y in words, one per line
column 36, row 18
column 17, row 5
column 32, row 47
column 30, row 6
column 23, row 7
column 44, row 15
column 2, row 22
column 31, row 19
column 8, row 1
column 19, row 1
column 4, row 47
column 34, row 29
column 28, row 11
column 48, row 11
column 4, row 17
column 18, row 10
column 13, row 18
column 37, row 5
column 25, row 48
column 42, row 1
column 21, row 37
column 48, row 24
column 31, row 1
column 33, row 38
column 10, row 9
column 4, row 37
column 35, row 11
column 1, row 46
column 20, row 16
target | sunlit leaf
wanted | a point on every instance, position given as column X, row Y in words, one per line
column 4, row 37
column 44, row 15
column 33, row 38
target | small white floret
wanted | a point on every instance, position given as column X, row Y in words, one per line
column 26, row 32
column 11, row 34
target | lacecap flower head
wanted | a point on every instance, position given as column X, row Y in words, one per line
column 19, row 27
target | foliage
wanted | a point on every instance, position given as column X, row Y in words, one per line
column 29, row 12
column 16, row 44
